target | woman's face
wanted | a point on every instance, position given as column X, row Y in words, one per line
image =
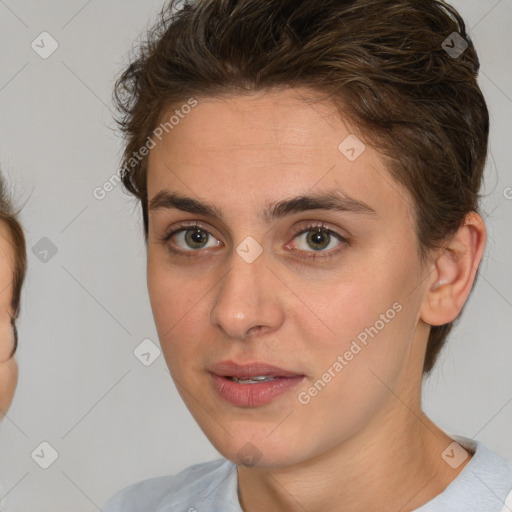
column 336, row 308
column 8, row 365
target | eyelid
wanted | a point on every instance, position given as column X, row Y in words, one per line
column 309, row 225
column 322, row 226
column 183, row 226
column 303, row 227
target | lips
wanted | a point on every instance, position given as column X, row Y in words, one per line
column 252, row 385
column 231, row 369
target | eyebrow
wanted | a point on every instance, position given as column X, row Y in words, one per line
column 332, row 200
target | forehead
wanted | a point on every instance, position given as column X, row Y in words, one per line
column 276, row 125
column 6, row 242
column 7, row 258
column 266, row 146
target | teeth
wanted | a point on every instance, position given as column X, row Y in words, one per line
column 259, row 378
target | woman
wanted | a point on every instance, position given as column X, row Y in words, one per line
column 309, row 175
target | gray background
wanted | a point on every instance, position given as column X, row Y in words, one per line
column 112, row 420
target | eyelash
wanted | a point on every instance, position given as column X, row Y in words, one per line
column 304, row 229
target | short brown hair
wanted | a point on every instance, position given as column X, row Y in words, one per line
column 9, row 217
column 382, row 62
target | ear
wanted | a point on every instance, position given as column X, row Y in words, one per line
column 454, row 274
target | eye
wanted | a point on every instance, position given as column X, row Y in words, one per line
column 313, row 240
column 318, row 238
column 190, row 238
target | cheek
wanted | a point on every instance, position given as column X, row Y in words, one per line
column 361, row 320
column 6, row 337
column 177, row 304
column 8, row 364
column 347, row 303
column 8, row 380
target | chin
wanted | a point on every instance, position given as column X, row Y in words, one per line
column 259, row 449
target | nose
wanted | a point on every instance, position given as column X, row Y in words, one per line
column 246, row 302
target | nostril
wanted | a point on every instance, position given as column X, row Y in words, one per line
column 256, row 329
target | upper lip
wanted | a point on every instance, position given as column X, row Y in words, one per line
column 244, row 371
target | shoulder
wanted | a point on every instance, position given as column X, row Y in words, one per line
column 149, row 495
column 485, row 482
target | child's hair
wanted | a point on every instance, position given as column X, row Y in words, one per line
column 383, row 63
column 9, row 218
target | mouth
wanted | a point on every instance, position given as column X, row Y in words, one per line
column 253, row 380
column 252, row 385
column 252, row 371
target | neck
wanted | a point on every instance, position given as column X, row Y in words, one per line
column 395, row 467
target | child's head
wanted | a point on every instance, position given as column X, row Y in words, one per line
column 251, row 123
column 12, row 273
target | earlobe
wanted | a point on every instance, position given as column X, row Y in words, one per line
column 454, row 273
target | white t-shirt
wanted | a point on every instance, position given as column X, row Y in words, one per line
column 484, row 485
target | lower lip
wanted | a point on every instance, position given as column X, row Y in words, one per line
column 253, row 395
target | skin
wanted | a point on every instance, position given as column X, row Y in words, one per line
column 8, row 365
column 365, row 430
